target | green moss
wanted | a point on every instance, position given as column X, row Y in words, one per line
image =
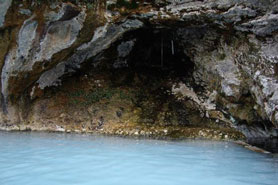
column 81, row 97
column 222, row 56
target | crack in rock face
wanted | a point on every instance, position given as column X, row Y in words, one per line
column 202, row 63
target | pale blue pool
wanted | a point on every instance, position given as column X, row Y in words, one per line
column 69, row 159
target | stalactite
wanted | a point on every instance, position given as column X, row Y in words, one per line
column 161, row 50
column 173, row 49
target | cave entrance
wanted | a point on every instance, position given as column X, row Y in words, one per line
column 153, row 53
column 133, row 80
column 158, row 49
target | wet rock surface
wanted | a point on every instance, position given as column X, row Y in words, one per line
column 269, row 144
column 109, row 68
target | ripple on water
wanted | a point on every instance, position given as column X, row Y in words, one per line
column 49, row 158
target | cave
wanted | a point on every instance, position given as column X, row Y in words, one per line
column 134, row 78
column 158, row 51
column 151, row 54
column 149, row 76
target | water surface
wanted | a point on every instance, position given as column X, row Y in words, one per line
column 68, row 159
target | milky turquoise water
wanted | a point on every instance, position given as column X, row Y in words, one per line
column 69, row 159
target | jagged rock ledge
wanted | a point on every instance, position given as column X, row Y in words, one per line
column 143, row 131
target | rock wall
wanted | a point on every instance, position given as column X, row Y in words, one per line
column 46, row 46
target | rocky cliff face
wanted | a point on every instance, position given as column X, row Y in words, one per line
column 140, row 68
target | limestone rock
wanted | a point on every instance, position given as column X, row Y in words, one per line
column 233, row 45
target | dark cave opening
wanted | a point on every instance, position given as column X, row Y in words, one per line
column 158, row 49
column 150, row 54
